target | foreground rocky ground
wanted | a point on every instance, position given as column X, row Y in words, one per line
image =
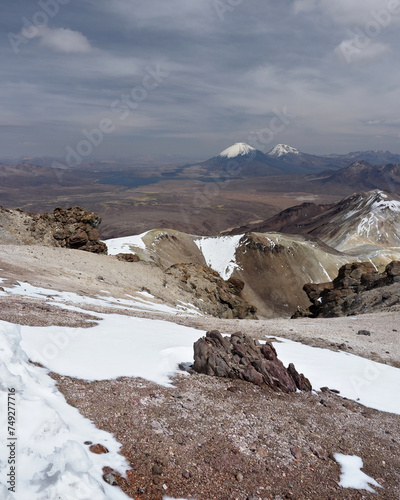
column 213, row 438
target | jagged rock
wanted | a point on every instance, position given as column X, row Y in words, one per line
column 128, row 257
column 214, row 295
column 236, row 285
column 359, row 288
column 242, row 357
column 70, row 228
column 79, row 239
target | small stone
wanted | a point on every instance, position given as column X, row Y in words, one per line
column 157, row 480
column 296, row 452
column 110, row 479
column 186, row 474
column 98, row 449
column 239, row 477
column 364, row 332
column 320, row 453
column 157, row 469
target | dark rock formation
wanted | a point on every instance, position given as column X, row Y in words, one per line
column 128, row 257
column 357, row 289
column 215, row 296
column 70, row 228
column 242, row 357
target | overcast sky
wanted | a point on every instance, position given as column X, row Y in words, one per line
column 189, row 78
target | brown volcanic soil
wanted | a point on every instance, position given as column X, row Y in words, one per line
column 211, row 438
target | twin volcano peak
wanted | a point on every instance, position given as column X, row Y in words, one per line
column 243, row 149
column 282, row 150
column 238, row 149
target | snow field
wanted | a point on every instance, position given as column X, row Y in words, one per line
column 372, row 384
column 123, row 245
column 52, row 461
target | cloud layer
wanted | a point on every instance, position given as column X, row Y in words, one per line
column 332, row 65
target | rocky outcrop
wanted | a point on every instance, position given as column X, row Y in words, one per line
column 128, row 257
column 214, row 295
column 357, row 289
column 242, row 357
column 68, row 228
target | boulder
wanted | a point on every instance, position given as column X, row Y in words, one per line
column 70, row 228
column 359, row 288
column 242, row 357
column 128, row 257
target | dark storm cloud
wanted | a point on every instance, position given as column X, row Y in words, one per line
column 226, row 67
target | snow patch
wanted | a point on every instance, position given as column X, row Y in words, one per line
column 220, row 253
column 119, row 346
column 52, row 460
column 369, row 383
column 57, row 298
column 351, row 474
column 123, row 245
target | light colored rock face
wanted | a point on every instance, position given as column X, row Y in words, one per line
column 371, row 218
column 273, row 266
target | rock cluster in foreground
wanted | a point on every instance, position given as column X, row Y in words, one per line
column 242, row 357
column 357, row 289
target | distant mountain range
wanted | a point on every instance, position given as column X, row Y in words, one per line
column 282, row 159
column 362, row 175
column 244, row 160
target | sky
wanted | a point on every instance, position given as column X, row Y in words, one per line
column 188, row 78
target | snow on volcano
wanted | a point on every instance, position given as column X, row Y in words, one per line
column 282, row 150
column 238, row 149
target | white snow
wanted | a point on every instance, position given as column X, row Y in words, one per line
column 123, row 245
column 52, row 460
column 220, row 253
column 58, row 298
column 325, row 271
column 238, row 149
column 372, row 384
column 351, row 474
column 282, row 150
column 119, row 346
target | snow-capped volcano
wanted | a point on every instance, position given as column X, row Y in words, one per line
column 281, row 150
column 238, row 149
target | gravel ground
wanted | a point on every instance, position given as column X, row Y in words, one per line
column 211, row 438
